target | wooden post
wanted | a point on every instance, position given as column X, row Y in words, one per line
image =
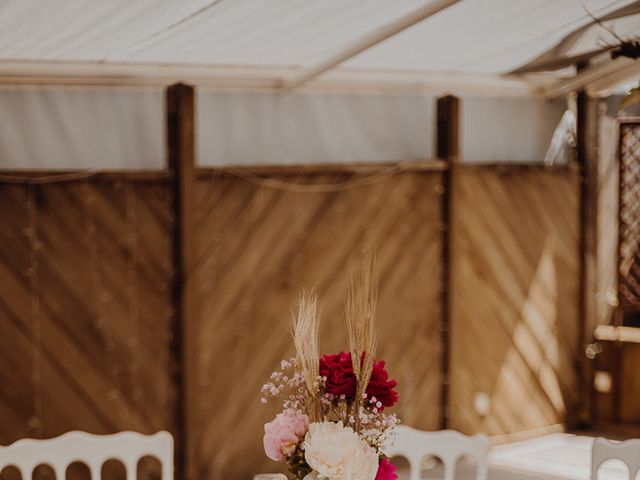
column 181, row 161
column 448, row 147
column 581, row 149
column 587, row 162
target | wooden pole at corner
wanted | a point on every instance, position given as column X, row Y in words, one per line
column 587, row 162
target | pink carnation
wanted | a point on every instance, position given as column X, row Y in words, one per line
column 386, row 470
column 283, row 433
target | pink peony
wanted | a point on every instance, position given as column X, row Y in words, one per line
column 283, row 433
column 386, row 470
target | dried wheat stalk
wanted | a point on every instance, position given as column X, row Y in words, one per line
column 305, row 325
column 360, row 313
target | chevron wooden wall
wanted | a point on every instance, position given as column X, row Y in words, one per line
column 86, row 279
column 85, row 307
column 515, row 276
column 260, row 246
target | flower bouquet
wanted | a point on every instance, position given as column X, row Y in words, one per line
column 334, row 424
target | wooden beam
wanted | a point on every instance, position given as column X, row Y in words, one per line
column 181, row 161
column 59, row 176
column 321, row 169
column 611, row 83
column 448, row 149
column 234, row 78
column 379, row 35
column 619, row 69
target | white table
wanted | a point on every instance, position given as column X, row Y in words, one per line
column 558, row 456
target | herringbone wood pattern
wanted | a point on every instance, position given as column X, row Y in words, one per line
column 515, row 298
column 85, row 308
column 103, row 305
column 260, row 246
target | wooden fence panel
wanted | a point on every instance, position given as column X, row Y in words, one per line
column 258, row 247
column 85, row 307
column 515, row 276
column 99, row 329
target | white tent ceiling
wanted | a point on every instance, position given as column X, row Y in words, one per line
column 471, row 37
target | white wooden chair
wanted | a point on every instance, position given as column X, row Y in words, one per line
column 447, row 445
column 628, row 452
column 93, row 450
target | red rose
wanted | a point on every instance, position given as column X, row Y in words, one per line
column 338, row 370
column 381, row 387
column 386, row 470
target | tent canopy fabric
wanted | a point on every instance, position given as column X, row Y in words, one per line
column 120, row 128
column 489, row 37
column 468, row 43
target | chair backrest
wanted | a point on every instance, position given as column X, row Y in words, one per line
column 628, row 452
column 93, row 450
column 448, row 445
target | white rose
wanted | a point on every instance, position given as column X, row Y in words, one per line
column 336, row 452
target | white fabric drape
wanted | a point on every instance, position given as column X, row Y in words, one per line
column 51, row 129
column 58, row 128
column 264, row 129
column 508, row 129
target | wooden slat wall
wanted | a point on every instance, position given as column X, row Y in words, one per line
column 259, row 246
column 100, row 326
column 515, row 277
column 514, row 290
